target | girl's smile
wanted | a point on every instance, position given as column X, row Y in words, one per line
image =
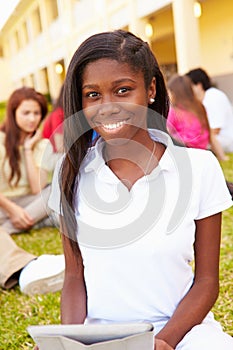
column 114, row 126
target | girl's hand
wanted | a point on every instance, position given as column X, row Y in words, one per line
column 161, row 345
column 20, row 218
column 30, row 140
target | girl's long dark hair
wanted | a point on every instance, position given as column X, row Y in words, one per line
column 123, row 47
column 12, row 131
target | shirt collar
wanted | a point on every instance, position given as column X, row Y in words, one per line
column 167, row 160
column 94, row 158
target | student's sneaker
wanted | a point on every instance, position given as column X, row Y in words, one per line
column 43, row 275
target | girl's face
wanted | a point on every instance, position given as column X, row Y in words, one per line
column 28, row 116
column 114, row 99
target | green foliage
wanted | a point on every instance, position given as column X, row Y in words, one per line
column 19, row 311
column 2, row 111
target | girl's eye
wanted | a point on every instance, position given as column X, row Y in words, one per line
column 92, row 94
column 122, row 90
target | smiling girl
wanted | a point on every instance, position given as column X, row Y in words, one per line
column 135, row 209
column 24, row 162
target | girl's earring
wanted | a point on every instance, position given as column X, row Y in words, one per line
column 151, row 100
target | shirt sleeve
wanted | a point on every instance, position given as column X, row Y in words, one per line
column 46, row 131
column 214, row 194
column 55, row 194
column 43, row 153
column 214, row 104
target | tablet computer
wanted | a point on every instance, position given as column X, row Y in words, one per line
column 90, row 333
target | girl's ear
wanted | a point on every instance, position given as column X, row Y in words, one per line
column 152, row 91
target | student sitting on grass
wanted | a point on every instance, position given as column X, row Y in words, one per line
column 24, row 162
column 24, row 166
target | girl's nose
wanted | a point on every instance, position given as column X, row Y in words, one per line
column 32, row 116
column 108, row 108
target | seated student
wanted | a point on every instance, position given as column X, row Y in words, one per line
column 35, row 275
column 135, row 209
column 24, row 166
column 24, row 163
column 187, row 120
column 218, row 107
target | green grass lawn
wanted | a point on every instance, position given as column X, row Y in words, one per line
column 17, row 311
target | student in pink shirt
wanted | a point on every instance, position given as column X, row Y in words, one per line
column 187, row 120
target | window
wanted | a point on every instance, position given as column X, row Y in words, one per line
column 36, row 22
column 15, row 42
column 24, row 34
column 51, row 10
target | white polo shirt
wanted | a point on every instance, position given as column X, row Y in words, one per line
column 137, row 245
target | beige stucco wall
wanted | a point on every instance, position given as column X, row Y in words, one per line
column 216, row 27
column 5, row 84
column 163, row 41
column 209, row 43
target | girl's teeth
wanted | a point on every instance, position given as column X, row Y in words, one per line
column 114, row 125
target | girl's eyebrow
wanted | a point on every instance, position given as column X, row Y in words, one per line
column 116, row 82
column 89, row 86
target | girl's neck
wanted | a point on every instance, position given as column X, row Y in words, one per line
column 22, row 137
column 129, row 149
column 133, row 158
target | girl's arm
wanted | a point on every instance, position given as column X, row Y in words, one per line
column 216, row 146
column 73, row 297
column 199, row 300
column 37, row 177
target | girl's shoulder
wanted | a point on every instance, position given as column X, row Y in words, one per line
column 2, row 136
column 200, row 161
column 2, row 143
column 208, row 183
column 43, row 144
column 201, row 155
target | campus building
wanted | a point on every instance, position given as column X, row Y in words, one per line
column 40, row 36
